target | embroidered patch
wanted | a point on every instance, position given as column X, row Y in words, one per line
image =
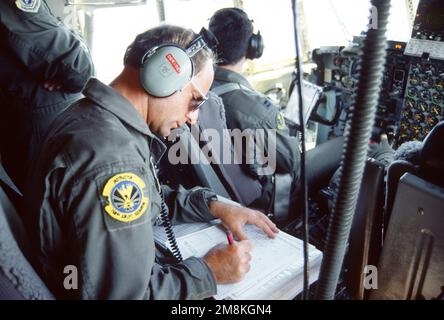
column 28, row 5
column 267, row 103
column 125, row 199
column 280, row 121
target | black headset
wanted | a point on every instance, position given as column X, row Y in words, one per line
column 168, row 68
column 255, row 46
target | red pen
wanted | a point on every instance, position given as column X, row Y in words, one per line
column 229, row 237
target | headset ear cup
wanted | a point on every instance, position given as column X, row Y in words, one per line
column 166, row 70
column 255, row 46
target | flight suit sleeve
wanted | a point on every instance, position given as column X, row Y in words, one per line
column 107, row 225
column 188, row 205
column 49, row 49
column 109, row 217
column 191, row 279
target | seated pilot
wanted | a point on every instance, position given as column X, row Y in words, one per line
column 245, row 107
column 94, row 194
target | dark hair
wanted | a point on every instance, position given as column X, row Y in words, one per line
column 233, row 29
column 164, row 34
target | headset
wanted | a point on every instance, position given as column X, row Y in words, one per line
column 168, row 68
column 255, row 46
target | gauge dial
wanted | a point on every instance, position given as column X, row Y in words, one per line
column 414, row 81
column 419, row 117
column 431, row 121
column 407, row 114
column 423, row 106
column 426, row 82
column 424, row 94
column 416, row 130
column 439, row 84
column 412, row 92
column 437, row 98
column 403, row 127
column 435, row 110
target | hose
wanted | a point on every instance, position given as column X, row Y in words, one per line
column 362, row 116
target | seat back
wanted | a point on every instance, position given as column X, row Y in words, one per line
column 412, row 259
column 242, row 186
column 394, row 173
column 192, row 169
column 410, row 266
column 366, row 232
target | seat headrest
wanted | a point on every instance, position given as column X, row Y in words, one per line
column 432, row 153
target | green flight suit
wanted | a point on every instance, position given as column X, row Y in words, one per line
column 93, row 200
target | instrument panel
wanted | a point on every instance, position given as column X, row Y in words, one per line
column 412, row 92
column 424, row 100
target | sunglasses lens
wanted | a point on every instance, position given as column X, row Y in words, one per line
column 199, row 105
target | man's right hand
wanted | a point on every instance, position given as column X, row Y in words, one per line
column 229, row 263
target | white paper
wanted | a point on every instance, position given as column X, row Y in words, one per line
column 276, row 263
column 180, row 230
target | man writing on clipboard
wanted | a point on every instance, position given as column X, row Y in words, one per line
column 94, row 194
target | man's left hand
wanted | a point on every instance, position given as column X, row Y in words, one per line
column 234, row 218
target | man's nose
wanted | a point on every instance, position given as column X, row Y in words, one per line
column 192, row 116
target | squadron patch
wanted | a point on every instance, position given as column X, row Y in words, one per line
column 280, row 121
column 28, row 5
column 125, row 199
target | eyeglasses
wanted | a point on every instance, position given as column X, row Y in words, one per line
column 195, row 104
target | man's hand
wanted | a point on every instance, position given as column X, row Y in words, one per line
column 229, row 263
column 234, row 218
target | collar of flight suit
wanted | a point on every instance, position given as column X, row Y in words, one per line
column 109, row 99
column 225, row 75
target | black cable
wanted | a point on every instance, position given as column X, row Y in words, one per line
column 166, row 222
column 303, row 182
column 169, row 230
column 354, row 155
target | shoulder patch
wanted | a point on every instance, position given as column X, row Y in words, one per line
column 267, row 103
column 125, row 198
column 280, row 121
column 28, row 5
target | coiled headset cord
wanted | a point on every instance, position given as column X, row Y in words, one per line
column 165, row 219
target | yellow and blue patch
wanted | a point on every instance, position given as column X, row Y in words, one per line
column 28, row 5
column 126, row 201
